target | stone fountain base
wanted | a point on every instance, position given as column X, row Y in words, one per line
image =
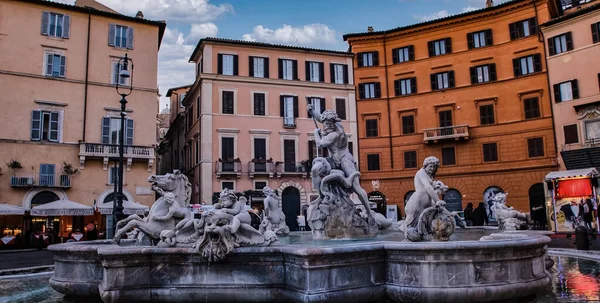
column 502, row 267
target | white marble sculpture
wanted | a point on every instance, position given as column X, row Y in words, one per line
column 273, row 218
column 508, row 218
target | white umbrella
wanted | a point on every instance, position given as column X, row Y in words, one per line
column 129, row 208
column 62, row 208
column 7, row 209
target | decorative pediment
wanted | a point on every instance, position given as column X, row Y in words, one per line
column 588, row 113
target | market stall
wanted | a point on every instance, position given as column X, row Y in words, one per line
column 572, row 199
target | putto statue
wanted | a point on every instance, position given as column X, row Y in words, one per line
column 508, row 218
column 333, row 214
column 274, row 218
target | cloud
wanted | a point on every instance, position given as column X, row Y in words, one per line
column 187, row 11
column 436, row 15
column 198, row 31
column 307, row 35
column 469, row 9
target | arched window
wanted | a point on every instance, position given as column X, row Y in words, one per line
column 112, row 197
column 43, row 198
column 407, row 196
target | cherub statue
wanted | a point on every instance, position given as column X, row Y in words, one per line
column 508, row 218
column 273, row 216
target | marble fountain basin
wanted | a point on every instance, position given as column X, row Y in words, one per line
column 505, row 267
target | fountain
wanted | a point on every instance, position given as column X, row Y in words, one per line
column 345, row 258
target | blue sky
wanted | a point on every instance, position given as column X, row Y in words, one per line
column 313, row 23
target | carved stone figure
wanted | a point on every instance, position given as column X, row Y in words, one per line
column 273, row 216
column 435, row 223
column 333, row 214
column 508, row 218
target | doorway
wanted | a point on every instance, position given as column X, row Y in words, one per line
column 290, row 200
column 537, row 197
column 453, row 199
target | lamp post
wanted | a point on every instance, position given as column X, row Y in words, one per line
column 124, row 89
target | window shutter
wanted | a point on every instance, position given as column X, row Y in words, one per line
column 129, row 132
column 308, row 101
column 345, row 70
column 235, row 65
column 36, row 125
column 340, row 108
column 198, row 108
column 322, row 105
column 596, row 32
column 307, row 70
column 512, row 28
column 296, row 107
column 266, row 67
column 361, row 91
column 556, row 88
column 359, row 59
column 413, row 85
column 53, row 134
column 375, row 58
column 321, row 72
column 111, row 34
column 569, row 38
column 575, row 89
column 434, row 85
column 533, row 26
column 397, row 91
column 448, row 45
column 280, row 61
column 492, row 68
column 411, row 52
column 332, row 72
column 49, row 62
column 473, row 71
column 451, row 78
column 516, row 67
column 311, row 145
column 282, row 106
column 489, row 37
column 395, row 58
column 66, row 26
column 431, row 49
column 537, row 62
column 105, row 130
column 295, row 69
column 551, row 49
column 63, row 63
column 251, row 66
column 470, row 42
column 256, row 105
column 130, row 37
column 220, row 64
column 45, row 21
column 377, row 90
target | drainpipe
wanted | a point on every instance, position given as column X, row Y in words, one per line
column 87, row 67
column 387, row 88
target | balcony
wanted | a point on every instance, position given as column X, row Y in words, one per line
column 455, row 132
column 581, row 155
column 109, row 152
column 291, row 169
column 228, row 169
column 261, row 167
column 289, row 123
column 28, row 180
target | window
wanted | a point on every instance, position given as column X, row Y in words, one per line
column 373, row 162
column 199, row 68
column 313, row 152
column 315, row 71
column 368, row 59
column 527, row 65
column 371, row 127
column 532, row 108
column 486, row 114
column 227, row 65
column 259, row 67
column 442, row 80
column 228, row 185
column 369, row 90
column 403, row 54
column 288, row 69
column 190, row 117
column 113, row 175
column 318, row 104
column 55, row 25
column 259, row 104
column 448, row 156
column 45, row 126
column 410, row 159
column 560, row 44
column 55, row 65
column 47, row 174
column 259, row 185
column 596, row 32
column 535, row 146
column 440, row 47
column 228, row 153
column 181, row 98
column 523, row 28
column 408, row 125
column 198, row 107
column 289, row 156
column 339, row 73
column 111, row 127
column 120, row 36
column 571, row 134
column 445, row 118
column 260, row 149
column 480, row 39
column 490, row 152
column 592, row 130
column 483, row 73
column 116, row 74
column 566, row 91
column 197, row 151
column 289, row 110
column 405, row 86
column 340, row 108
column 228, row 103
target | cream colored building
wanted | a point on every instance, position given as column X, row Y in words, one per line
column 58, row 71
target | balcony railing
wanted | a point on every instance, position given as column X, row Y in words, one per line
column 291, row 168
column 289, row 122
column 450, row 132
column 586, row 144
column 260, row 167
column 228, row 168
column 37, row 180
column 111, row 151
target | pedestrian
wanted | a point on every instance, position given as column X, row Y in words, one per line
column 480, row 215
column 469, row 214
column 92, row 232
column 588, row 217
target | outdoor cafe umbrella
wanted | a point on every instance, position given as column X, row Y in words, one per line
column 129, row 208
column 7, row 209
column 62, row 208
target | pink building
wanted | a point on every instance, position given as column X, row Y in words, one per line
column 573, row 54
column 247, row 121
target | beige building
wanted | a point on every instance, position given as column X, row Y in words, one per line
column 171, row 148
column 58, row 72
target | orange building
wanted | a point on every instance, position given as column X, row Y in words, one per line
column 470, row 89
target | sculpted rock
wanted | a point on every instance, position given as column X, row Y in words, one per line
column 508, row 218
column 274, row 218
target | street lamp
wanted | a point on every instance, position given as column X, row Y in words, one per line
column 123, row 87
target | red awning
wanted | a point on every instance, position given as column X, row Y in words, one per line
column 574, row 188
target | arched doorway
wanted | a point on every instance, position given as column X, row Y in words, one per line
column 488, row 195
column 453, row 199
column 112, row 197
column 537, row 197
column 407, row 196
column 290, row 204
column 44, row 197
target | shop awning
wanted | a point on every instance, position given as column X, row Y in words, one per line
column 62, row 208
column 575, row 173
column 129, row 208
column 7, row 209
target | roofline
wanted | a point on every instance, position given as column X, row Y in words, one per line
column 170, row 91
column 161, row 24
column 569, row 16
column 264, row 45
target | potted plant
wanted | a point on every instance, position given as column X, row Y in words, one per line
column 67, row 171
column 15, row 165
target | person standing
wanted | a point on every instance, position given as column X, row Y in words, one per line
column 588, row 208
column 469, row 214
column 480, row 216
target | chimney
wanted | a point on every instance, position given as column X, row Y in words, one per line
column 369, row 29
column 489, row 3
column 139, row 15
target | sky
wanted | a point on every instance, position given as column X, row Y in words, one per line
column 311, row 23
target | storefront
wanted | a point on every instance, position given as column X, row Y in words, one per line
column 11, row 223
column 60, row 221
column 378, row 199
column 572, row 199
